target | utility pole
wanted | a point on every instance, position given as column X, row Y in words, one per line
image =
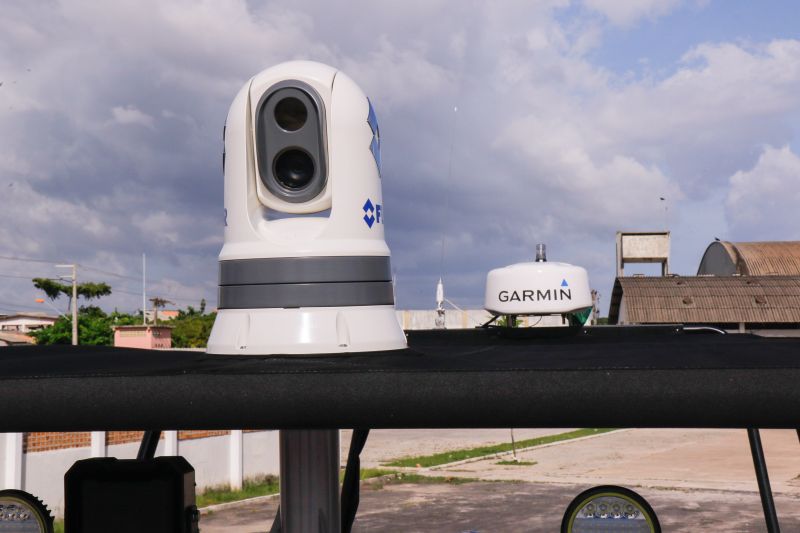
column 74, row 278
column 144, row 291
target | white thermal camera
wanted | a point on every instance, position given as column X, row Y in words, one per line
column 304, row 267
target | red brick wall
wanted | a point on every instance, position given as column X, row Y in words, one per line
column 199, row 434
column 41, row 442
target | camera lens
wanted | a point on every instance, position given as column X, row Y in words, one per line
column 294, row 168
column 290, row 114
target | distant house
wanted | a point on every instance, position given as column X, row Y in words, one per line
column 14, row 339
column 26, row 322
column 164, row 315
column 147, row 337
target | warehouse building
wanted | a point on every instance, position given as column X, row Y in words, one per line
column 753, row 286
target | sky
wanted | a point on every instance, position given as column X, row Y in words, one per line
column 503, row 125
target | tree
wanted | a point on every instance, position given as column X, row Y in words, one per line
column 52, row 288
column 89, row 290
column 192, row 331
column 158, row 302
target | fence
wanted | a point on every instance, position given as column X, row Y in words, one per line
column 36, row 462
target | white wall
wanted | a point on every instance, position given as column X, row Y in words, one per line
column 43, row 472
column 261, row 454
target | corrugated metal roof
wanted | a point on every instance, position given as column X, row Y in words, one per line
column 706, row 300
column 775, row 258
column 769, row 258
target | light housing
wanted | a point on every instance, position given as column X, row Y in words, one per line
column 609, row 508
column 23, row 512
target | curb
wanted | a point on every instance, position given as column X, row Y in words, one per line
column 520, row 450
column 229, row 505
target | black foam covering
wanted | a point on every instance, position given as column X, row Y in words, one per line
column 604, row 377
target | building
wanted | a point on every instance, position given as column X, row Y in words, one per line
column 643, row 247
column 723, row 258
column 164, row 315
column 8, row 338
column 739, row 286
column 26, row 322
column 146, row 337
column 729, row 302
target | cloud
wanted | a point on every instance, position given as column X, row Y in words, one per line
column 547, row 145
column 762, row 201
column 131, row 115
column 627, row 12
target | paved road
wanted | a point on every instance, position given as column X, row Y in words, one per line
column 697, row 480
column 512, row 507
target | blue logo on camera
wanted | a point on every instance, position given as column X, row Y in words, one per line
column 372, row 213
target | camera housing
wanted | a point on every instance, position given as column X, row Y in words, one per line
column 304, row 267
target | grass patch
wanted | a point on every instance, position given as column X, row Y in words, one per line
column 259, row 486
column 470, row 453
column 263, row 486
column 516, row 463
column 367, row 473
column 58, row 526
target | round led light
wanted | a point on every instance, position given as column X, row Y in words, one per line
column 609, row 508
column 21, row 512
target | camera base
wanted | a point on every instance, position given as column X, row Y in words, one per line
column 306, row 330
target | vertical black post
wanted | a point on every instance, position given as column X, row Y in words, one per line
column 147, row 449
column 770, row 515
column 352, row 477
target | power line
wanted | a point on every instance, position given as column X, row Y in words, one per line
column 107, row 273
column 26, row 259
column 12, row 306
column 15, row 277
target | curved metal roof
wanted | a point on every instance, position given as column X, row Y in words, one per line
column 776, row 258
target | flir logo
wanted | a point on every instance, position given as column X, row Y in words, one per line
column 372, row 213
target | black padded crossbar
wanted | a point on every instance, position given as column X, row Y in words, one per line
column 605, row 377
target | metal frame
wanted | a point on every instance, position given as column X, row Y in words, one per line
column 764, row 489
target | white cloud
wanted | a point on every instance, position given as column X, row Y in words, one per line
column 763, row 201
column 131, row 115
column 547, row 144
column 628, row 12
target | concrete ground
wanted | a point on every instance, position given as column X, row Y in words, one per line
column 696, row 480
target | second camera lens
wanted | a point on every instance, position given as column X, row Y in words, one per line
column 294, row 168
column 290, row 114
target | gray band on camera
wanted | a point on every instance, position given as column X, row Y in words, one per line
column 283, row 295
column 304, row 270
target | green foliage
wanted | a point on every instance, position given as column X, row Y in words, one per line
column 91, row 290
column 516, row 463
column 94, row 328
column 191, row 329
column 259, row 486
column 503, row 321
column 52, row 288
